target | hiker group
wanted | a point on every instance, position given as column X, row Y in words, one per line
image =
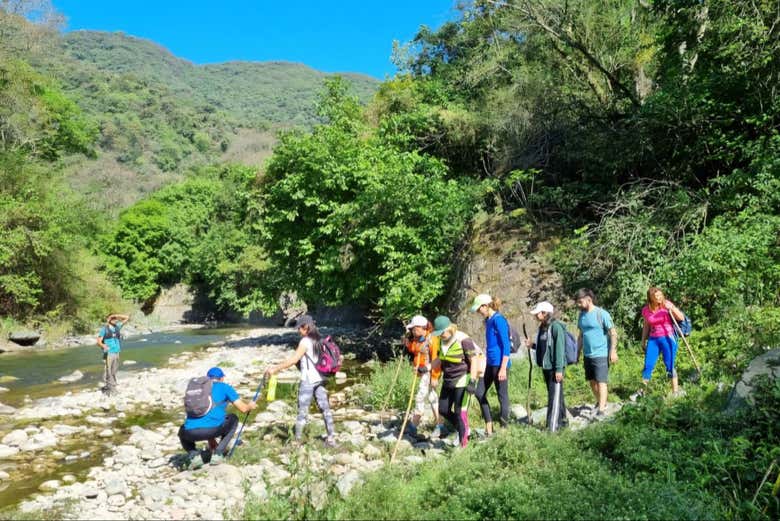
column 442, row 353
column 450, row 370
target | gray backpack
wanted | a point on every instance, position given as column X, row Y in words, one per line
column 197, row 398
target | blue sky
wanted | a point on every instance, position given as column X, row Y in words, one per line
column 337, row 36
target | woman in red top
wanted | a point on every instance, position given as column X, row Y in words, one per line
column 658, row 335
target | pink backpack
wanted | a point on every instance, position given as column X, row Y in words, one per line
column 330, row 359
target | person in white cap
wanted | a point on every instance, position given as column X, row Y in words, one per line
column 498, row 346
column 424, row 349
column 550, row 348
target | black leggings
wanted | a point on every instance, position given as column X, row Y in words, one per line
column 224, row 431
column 451, row 407
column 491, row 378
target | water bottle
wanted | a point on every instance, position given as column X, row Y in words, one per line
column 271, row 396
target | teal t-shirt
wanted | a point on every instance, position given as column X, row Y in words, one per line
column 221, row 395
column 594, row 326
column 112, row 343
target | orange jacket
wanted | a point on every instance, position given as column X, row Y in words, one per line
column 423, row 356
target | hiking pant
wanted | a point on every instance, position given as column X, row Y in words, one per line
column 454, row 405
column 306, row 392
column 110, row 369
column 224, row 431
column 667, row 347
column 502, row 388
column 556, row 407
column 425, row 395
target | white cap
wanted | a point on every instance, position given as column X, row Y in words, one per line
column 417, row 320
column 481, row 300
column 542, row 306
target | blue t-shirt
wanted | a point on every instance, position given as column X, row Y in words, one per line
column 594, row 326
column 221, row 395
column 497, row 343
column 112, row 343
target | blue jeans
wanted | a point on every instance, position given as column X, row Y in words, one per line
column 666, row 346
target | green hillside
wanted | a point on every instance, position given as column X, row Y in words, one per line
column 254, row 94
column 158, row 115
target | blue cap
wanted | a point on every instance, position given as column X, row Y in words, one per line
column 215, row 372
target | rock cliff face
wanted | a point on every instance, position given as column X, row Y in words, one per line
column 509, row 263
column 180, row 304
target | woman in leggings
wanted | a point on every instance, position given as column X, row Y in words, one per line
column 312, row 383
column 659, row 336
column 459, row 360
column 497, row 350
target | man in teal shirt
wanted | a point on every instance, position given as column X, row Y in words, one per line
column 109, row 340
column 598, row 345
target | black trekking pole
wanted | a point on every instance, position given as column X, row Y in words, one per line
column 530, row 372
column 246, row 417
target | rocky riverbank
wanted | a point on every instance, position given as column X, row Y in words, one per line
column 137, row 474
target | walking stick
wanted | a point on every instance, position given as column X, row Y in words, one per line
column 392, row 388
column 685, row 341
column 406, row 417
column 530, row 372
column 246, row 416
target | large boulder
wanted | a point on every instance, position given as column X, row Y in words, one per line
column 767, row 365
column 24, row 338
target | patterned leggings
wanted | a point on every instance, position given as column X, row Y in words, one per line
column 306, row 392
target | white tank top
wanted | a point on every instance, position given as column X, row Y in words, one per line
column 309, row 373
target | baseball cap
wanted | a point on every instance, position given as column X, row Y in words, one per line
column 417, row 320
column 542, row 306
column 481, row 300
column 440, row 324
column 215, row 372
column 304, row 320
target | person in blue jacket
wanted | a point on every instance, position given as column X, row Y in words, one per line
column 497, row 349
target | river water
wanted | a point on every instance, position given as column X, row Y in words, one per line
column 36, row 373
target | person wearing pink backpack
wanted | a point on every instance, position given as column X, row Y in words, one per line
column 312, row 384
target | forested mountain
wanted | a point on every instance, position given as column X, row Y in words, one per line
column 157, row 114
column 252, row 94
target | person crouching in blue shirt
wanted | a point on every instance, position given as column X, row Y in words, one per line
column 215, row 423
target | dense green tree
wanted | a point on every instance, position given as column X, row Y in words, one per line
column 349, row 218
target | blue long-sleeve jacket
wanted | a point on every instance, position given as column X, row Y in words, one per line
column 497, row 340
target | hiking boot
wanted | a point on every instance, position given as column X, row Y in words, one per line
column 216, row 459
column 439, row 432
column 196, row 462
column 330, row 442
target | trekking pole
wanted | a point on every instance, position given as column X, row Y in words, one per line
column 406, row 417
column 685, row 341
column 392, row 388
column 530, row 372
column 246, row 417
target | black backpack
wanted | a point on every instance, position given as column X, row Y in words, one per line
column 197, row 398
column 515, row 340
